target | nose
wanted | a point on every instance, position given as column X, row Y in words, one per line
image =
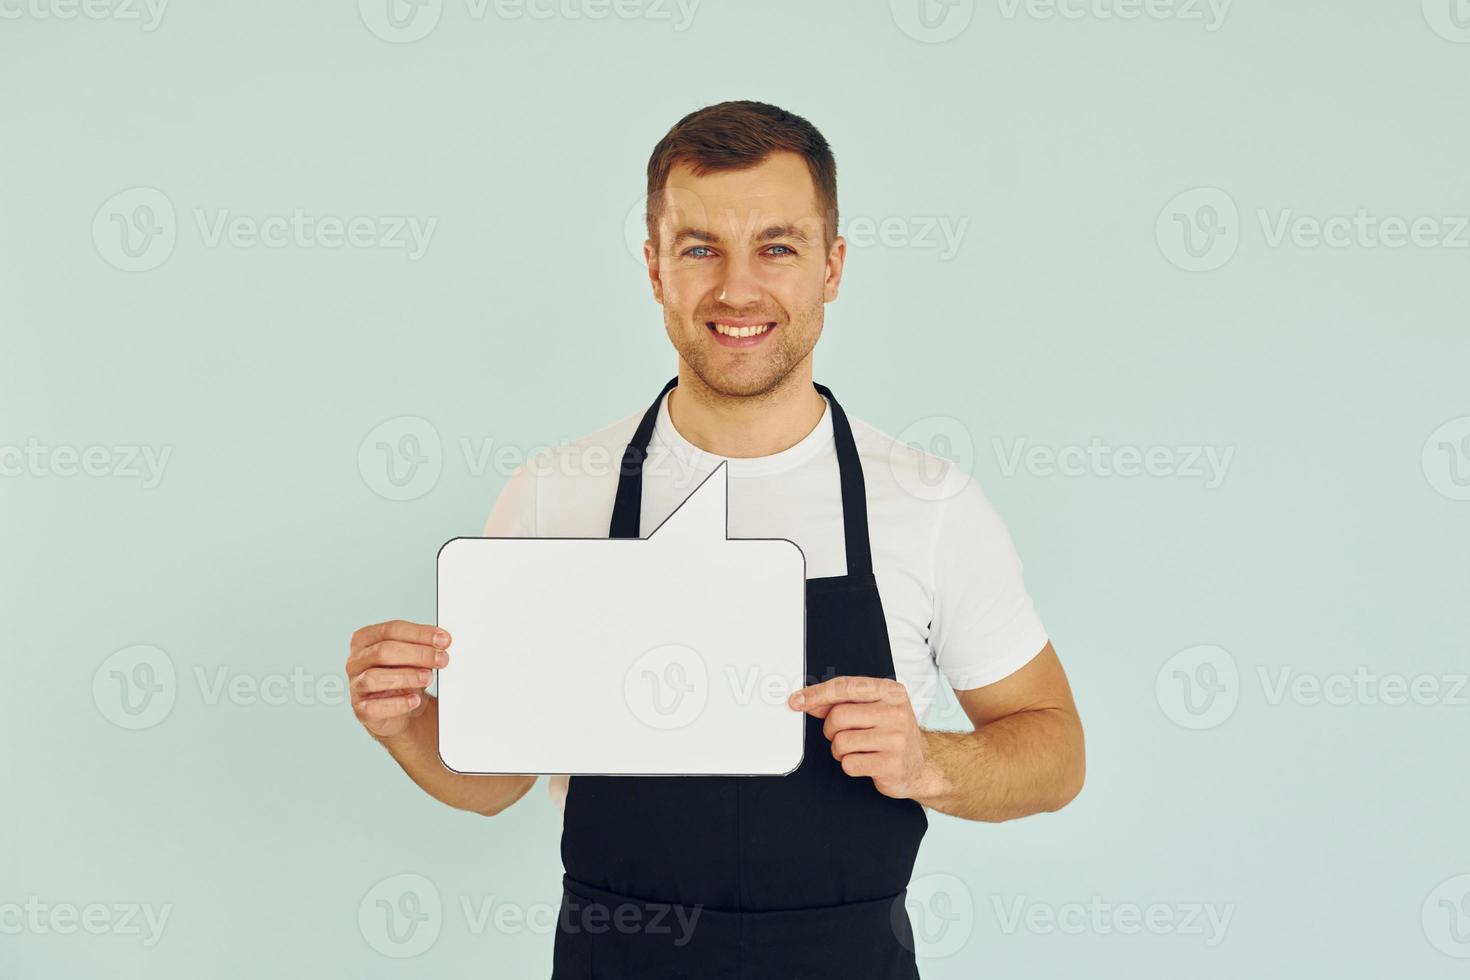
column 739, row 287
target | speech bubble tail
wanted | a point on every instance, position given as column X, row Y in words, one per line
column 703, row 515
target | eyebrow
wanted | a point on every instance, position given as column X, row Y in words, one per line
column 774, row 231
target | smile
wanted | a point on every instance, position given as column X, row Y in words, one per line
column 738, row 334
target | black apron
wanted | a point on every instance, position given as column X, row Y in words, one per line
column 748, row 877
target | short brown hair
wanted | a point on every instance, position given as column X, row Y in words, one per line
column 737, row 135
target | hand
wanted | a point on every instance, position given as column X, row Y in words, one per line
column 873, row 730
column 388, row 667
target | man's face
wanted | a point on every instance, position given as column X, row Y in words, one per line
column 741, row 253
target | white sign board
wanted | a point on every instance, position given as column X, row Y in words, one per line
column 667, row 655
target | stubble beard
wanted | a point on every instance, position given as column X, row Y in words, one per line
column 758, row 375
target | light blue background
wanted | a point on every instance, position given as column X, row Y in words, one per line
column 1336, row 539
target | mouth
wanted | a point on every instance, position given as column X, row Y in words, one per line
column 740, row 333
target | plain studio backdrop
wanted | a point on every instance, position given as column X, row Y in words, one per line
column 287, row 290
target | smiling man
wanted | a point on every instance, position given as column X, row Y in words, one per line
column 911, row 577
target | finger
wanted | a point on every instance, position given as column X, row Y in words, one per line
column 839, row 689
column 862, row 763
column 381, row 709
column 861, row 740
column 376, row 680
column 380, row 695
column 843, row 717
column 400, row 629
column 396, row 653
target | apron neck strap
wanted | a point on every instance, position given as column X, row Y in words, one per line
column 628, row 504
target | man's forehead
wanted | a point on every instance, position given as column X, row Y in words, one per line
column 753, row 228
column 775, row 198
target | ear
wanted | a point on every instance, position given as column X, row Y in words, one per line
column 836, row 257
column 650, row 259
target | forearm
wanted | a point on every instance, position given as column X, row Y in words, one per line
column 1028, row 762
column 416, row 749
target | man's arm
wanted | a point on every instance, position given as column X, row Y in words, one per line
column 1025, row 756
column 417, row 751
column 388, row 667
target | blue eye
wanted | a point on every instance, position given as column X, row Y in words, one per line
column 786, row 251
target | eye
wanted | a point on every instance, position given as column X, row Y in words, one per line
column 789, row 251
column 697, row 248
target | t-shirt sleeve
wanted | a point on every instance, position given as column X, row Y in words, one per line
column 985, row 626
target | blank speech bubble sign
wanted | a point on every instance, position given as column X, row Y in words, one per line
column 661, row 656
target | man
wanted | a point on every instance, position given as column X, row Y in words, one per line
column 801, row 875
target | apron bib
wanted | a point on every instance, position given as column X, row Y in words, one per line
column 748, row 877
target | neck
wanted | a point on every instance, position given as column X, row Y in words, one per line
column 744, row 426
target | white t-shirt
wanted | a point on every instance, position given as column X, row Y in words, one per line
column 948, row 575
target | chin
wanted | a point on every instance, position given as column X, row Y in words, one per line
column 742, row 382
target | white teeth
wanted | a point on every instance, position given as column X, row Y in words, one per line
column 730, row 331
